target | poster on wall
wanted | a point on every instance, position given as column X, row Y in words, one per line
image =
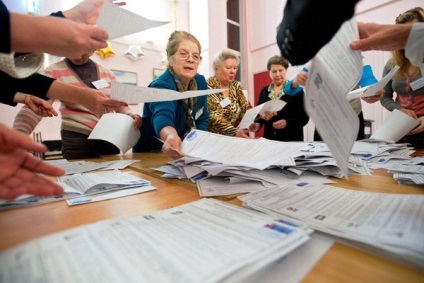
column 125, row 77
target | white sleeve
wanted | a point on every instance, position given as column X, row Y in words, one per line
column 414, row 50
column 21, row 66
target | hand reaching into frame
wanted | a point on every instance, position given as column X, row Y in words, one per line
column 19, row 169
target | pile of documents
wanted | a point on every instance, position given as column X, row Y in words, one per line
column 203, row 241
column 391, row 224
column 222, row 165
column 80, row 188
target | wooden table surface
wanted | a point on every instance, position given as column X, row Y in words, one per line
column 340, row 264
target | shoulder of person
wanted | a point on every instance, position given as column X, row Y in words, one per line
column 165, row 80
column 201, row 82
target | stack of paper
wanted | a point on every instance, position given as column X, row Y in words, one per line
column 203, row 241
column 87, row 187
column 387, row 222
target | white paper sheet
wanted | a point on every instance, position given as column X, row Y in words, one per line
column 139, row 94
column 386, row 221
column 118, row 129
column 372, row 89
column 109, row 195
column 203, row 241
column 119, row 22
column 395, row 127
column 334, row 72
column 253, row 153
column 251, row 114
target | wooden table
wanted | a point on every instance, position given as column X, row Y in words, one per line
column 340, row 264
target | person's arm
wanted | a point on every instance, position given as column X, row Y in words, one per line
column 26, row 120
column 381, row 37
column 54, row 35
column 303, row 31
column 294, row 86
column 94, row 100
column 37, row 105
column 4, row 29
column 19, row 169
column 172, row 142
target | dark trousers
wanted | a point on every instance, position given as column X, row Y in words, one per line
column 78, row 146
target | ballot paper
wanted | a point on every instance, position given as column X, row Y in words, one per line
column 334, row 72
column 119, row 22
column 138, row 94
column 395, row 127
column 251, row 114
column 109, row 195
column 253, row 153
column 372, row 89
column 387, row 222
column 82, row 166
column 83, row 185
column 202, row 241
column 123, row 135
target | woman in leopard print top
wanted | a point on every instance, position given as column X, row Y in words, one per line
column 226, row 108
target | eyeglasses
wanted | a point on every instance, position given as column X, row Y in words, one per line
column 185, row 55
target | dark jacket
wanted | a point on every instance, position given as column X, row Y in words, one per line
column 294, row 114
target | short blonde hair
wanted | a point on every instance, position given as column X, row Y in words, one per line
column 223, row 55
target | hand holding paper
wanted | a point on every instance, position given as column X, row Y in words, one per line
column 395, row 127
column 123, row 136
column 251, row 114
column 372, row 89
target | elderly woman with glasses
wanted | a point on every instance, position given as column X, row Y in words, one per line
column 165, row 124
column 226, row 108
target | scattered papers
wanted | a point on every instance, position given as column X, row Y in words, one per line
column 123, row 136
column 79, row 185
column 87, row 166
column 109, row 195
column 335, row 71
column 251, row 114
column 372, row 89
column 99, row 182
column 385, row 221
column 202, row 241
column 254, row 153
column 395, row 127
column 139, row 94
column 119, row 22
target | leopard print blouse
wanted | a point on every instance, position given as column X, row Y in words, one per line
column 223, row 120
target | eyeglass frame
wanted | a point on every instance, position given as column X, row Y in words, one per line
column 185, row 55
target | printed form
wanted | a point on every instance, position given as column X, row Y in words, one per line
column 335, row 70
column 203, row 241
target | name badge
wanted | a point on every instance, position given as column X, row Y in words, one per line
column 225, row 102
column 417, row 84
column 198, row 114
column 100, row 84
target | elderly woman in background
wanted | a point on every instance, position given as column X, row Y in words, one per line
column 170, row 121
column 286, row 124
column 226, row 108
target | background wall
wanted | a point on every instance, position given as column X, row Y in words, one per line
column 206, row 19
